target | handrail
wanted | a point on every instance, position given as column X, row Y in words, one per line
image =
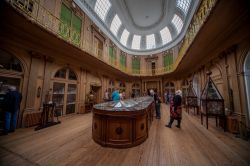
column 36, row 12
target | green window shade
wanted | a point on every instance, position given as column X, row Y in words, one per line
column 168, row 61
column 76, row 29
column 171, row 60
column 65, row 21
column 136, row 66
column 123, row 61
column 70, row 25
column 165, row 61
column 111, row 55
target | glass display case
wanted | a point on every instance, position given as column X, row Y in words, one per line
column 125, row 105
column 123, row 123
column 192, row 99
column 212, row 103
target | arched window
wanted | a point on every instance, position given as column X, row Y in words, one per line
column 66, row 73
column 65, row 90
column 9, row 62
column 169, row 87
column 136, row 90
column 247, row 80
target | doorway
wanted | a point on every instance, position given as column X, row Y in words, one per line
column 97, row 93
column 65, row 91
column 4, row 83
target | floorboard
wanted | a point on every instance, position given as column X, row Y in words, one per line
column 70, row 143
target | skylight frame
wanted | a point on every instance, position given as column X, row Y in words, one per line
column 124, row 37
column 115, row 25
column 166, row 36
column 136, row 42
column 184, row 5
column 150, row 41
column 101, row 8
column 178, row 23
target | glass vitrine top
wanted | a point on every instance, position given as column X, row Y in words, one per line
column 210, row 91
column 126, row 105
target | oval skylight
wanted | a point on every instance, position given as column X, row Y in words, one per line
column 165, row 35
column 136, row 42
column 137, row 30
column 150, row 39
column 124, row 37
column 178, row 23
column 102, row 7
column 115, row 25
column 183, row 5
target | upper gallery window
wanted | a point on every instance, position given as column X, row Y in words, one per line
column 150, row 39
column 165, row 35
column 115, row 25
column 101, row 8
column 124, row 37
column 183, row 5
column 136, row 42
column 178, row 23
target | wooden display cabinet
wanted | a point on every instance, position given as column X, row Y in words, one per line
column 122, row 124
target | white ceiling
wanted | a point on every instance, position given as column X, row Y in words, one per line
column 142, row 17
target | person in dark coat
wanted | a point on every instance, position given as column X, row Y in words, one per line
column 157, row 100
column 175, row 110
column 12, row 107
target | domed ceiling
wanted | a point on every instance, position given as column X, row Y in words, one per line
column 141, row 27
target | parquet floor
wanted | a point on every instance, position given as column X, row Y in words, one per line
column 70, row 143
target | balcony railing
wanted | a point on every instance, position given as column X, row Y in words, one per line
column 37, row 13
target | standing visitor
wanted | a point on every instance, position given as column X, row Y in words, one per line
column 157, row 100
column 115, row 96
column 12, row 107
column 175, row 109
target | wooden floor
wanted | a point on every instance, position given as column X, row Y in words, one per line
column 70, row 143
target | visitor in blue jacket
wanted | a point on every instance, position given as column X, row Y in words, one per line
column 115, row 96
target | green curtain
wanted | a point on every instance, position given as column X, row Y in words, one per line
column 123, row 61
column 76, row 29
column 111, row 56
column 168, row 61
column 70, row 25
column 65, row 22
column 136, row 66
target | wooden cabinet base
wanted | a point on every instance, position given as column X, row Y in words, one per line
column 121, row 129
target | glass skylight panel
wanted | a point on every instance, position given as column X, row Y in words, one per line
column 124, row 37
column 150, row 39
column 136, row 42
column 165, row 35
column 178, row 23
column 115, row 25
column 102, row 7
column 183, row 5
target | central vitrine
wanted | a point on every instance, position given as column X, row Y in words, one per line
column 124, row 123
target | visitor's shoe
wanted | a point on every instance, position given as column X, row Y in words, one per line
column 168, row 126
column 158, row 117
column 11, row 131
column 178, row 126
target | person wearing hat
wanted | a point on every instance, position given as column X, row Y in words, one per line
column 175, row 109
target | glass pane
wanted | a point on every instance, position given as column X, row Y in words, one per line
column 72, row 75
column 9, row 62
column 58, row 94
column 61, row 73
column 71, row 99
